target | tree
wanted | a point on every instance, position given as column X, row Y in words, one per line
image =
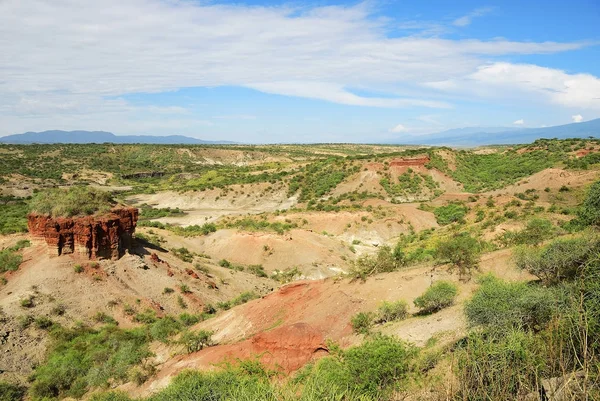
column 196, row 341
column 461, row 250
column 589, row 213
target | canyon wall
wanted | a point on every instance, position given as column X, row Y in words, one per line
column 97, row 237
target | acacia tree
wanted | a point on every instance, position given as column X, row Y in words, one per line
column 462, row 251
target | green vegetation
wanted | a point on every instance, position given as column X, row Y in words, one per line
column 451, row 213
column 75, row 201
column 589, row 213
column 461, row 250
column 500, row 305
column 369, row 372
column 562, row 259
column 440, row 295
column 149, row 213
column 11, row 392
column 392, row 311
column 84, row 358
column 481, row 172
column 13, row 215
column 362, row 322
column 196, row 341
column 535, row 232
column 10, row 258
column 239, row 300
column 385, row 260
column 250, row 224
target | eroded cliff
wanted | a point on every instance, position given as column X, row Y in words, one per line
column 105, row 236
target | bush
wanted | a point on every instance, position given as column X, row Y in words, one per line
column 385, row 260
column 11, row 392
column 392, row 311
column 461, row 250
column 82, row 358
column 370, row 371
column 362, row 322
column 78, row 269
column 535, row 232
column 10, row 260
column 43, row 323
column 502, row 368
column 500, row 306
column 562, row 259
column 195, row 342
column 589, row 213
column 451, row 213
column 439, row 296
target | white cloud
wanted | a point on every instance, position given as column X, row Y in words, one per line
column 67, row 58
column 507, row 80
column 577, row 118
column 398, row 128
column 519, row 122
column 467, row 19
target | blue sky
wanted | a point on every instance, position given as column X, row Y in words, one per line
column 301, row 71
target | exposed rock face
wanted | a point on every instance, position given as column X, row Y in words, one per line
column 97, row 237
column 410, row 161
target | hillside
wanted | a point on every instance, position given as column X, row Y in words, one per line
column 312, row 272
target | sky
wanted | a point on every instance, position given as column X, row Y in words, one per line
column 301, row 71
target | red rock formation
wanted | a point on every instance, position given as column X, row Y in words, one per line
column 410, row 161
column 97, row 237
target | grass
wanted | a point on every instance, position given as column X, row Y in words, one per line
column 75, row 201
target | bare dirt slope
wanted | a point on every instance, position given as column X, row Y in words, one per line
column 291, row 326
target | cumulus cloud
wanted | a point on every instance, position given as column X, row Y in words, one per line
column 519, row 122
column 398, row 128
column 68, row 57
column 577, row 118
column 467, row 19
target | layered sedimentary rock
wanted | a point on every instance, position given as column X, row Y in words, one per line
column 410, row 161
column 98, row 237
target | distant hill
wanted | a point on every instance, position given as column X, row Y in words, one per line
column 56, row 136
column 474, row 136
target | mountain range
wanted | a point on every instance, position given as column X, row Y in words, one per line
column 56, row 136
column 475, row 136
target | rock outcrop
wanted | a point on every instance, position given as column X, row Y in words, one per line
column 410, row 161
column 98, row 237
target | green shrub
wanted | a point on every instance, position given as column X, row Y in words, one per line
column 10, row 260
column 11, row 392
column 82, row 358
column 439, row 296
column 196, row 341
column 189, row 320
column 225, row 263
column 385, row 260
column 500, row 306
column 562, row 259
column 78, row 269
column 258, row 270
column 43, row 322
column 392, row 311
column 362, row 322
column 183, row 254
column 589, row 212
column 500, row 368
column 102, row 317
column 451, row 213
column 370, row 371
column 163, row 328
column 535, row 232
